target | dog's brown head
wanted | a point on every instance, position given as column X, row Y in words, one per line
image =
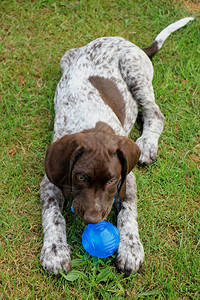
column 93, row 165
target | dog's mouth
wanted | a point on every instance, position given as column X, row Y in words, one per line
column 92, row 221
column 89, row 216
column 93, row 217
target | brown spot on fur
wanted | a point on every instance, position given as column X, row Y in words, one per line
column 159, row 115
column 54, row 249
column 151, row 50
column 111, row 95
column 50, row 202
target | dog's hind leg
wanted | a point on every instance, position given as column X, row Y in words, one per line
column 137, row 72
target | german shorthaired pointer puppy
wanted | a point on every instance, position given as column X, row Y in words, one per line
column 91, row 157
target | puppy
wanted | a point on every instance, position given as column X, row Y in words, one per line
column 91, row 157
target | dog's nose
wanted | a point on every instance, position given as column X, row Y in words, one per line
column 92, row 219
column 94, row 214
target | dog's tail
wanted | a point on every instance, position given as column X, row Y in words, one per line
column 163, row 35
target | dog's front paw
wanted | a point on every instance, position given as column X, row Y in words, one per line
column 130, row 256
column 54, row 257
column 148, row 147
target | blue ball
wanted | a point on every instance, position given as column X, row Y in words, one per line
column 101, row 239
column 72, row 209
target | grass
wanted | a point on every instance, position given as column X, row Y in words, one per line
column 34, row 36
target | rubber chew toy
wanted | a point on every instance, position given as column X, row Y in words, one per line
column 101, row 239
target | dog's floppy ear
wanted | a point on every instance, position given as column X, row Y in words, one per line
column 128, row 153
column 60, row 158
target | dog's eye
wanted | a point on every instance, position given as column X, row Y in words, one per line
column 81, row 177
column 111, row 181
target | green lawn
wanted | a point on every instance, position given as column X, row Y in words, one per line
column 34, row 35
